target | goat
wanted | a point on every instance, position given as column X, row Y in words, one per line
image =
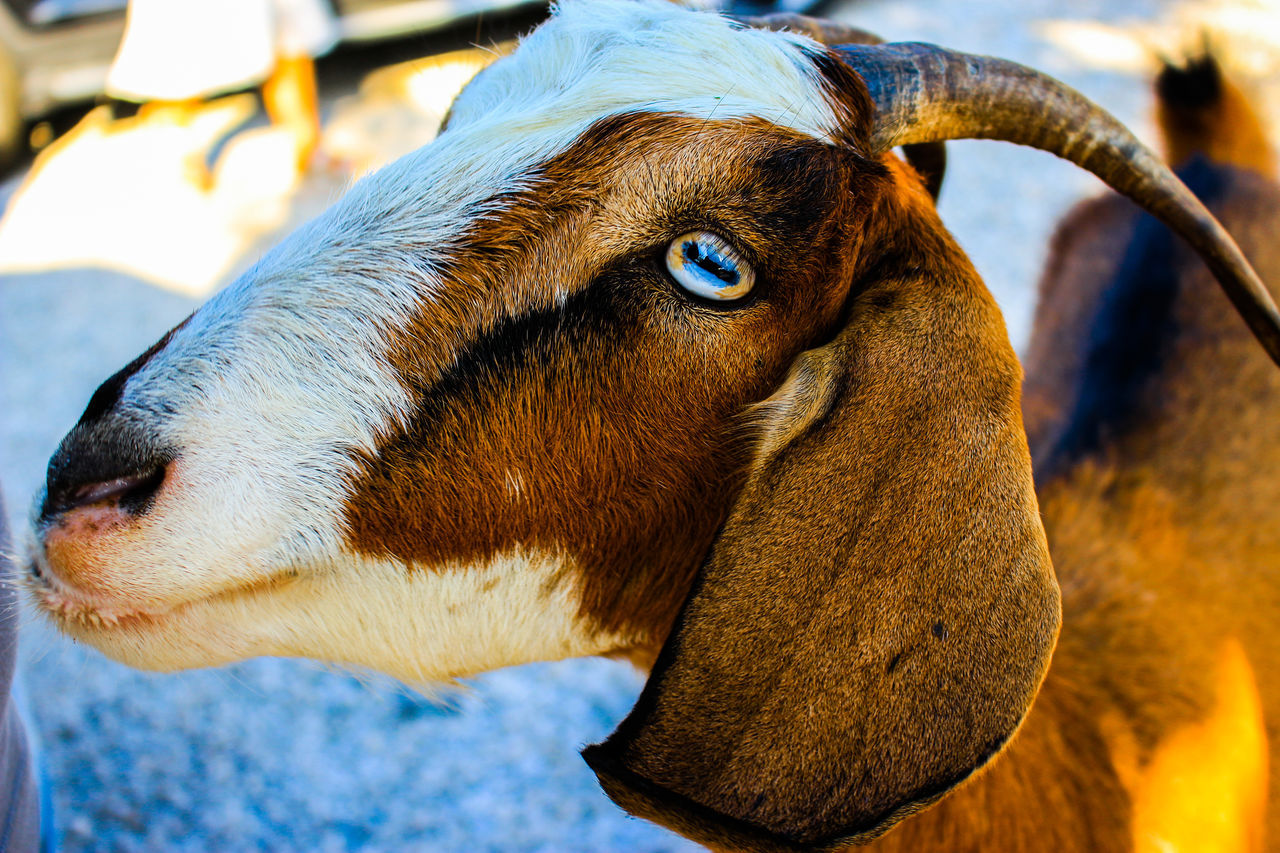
column 696, row 378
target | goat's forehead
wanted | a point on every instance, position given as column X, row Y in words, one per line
column 599, row 57
column 592, row 60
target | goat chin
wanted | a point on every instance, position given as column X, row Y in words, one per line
column 422, row 627
column 702, row 380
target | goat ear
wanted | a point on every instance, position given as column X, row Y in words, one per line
column 878, row 611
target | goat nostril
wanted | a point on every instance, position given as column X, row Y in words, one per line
column 131, row 492
column 119, row 488
column 113, row 459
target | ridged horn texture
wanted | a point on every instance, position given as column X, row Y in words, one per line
column 930, row 158
column 924, row 93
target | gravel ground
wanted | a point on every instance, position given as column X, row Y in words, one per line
column 289, row 755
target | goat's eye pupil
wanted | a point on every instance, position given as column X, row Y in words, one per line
column 693, row 254
column 706, row 265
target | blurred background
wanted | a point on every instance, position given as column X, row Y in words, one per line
column 119, row 220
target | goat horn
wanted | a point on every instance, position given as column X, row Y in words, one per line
column 924, row 93
column 928, row 158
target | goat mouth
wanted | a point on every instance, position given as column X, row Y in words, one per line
column 76, row 614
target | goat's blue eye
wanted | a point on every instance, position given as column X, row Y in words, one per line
column 707, row 266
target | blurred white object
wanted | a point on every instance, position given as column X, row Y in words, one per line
column 176, row 50
column 57, row 52
column 134, row 195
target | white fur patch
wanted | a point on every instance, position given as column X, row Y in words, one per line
column 421, row 626
column 597, row 58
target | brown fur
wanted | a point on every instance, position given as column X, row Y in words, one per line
column 580, row 396
column 1084, row 255
column 571, row 376
column 1192, row 120
column 876, row 616
column 1160, row 715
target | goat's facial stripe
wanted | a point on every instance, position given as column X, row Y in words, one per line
column 590, row 317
